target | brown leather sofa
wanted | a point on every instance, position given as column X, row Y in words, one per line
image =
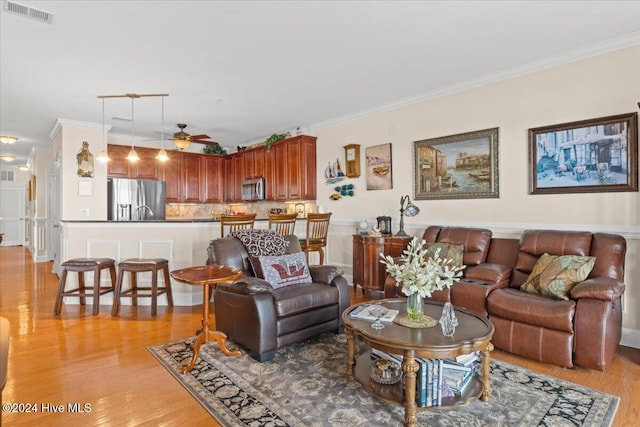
column 585, row 330
column 484, row 272
column 255, row 315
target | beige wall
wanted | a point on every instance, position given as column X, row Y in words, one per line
column 67, row 141
column 594, row 87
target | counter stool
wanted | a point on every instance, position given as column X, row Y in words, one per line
column 81, row 266
column 138, row 265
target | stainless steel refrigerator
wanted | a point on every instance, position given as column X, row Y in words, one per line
column 135, row 199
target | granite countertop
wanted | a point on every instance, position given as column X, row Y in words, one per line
column 169, row 220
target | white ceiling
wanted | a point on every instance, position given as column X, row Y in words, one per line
column 242, row 70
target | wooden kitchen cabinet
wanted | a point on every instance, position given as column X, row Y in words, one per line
column 193, row 177
column 280, row 172
column 368, row 272
column 188, row 177
column 118, row 165
column 229, row 182
column 252, row 163
column 213, row 171
column 147, row 166
column 302, row 177
column 288, row 167
column 294, row 163
column 172, row 177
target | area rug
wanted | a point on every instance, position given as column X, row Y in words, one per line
column 306, row 385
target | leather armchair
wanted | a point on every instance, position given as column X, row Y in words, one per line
column 262, row 319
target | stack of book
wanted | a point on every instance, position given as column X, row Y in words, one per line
column 438, row 380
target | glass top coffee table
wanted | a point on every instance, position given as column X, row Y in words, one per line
column 473, row 333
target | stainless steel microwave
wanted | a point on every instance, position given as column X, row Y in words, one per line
column 253, row 189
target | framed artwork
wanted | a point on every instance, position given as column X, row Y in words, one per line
column 33, row 187
column 462, row 166
column 379, row 173
column 588, row 156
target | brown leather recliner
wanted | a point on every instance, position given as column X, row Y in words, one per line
column 255, row 315
column 584, row 330
column 481, row 275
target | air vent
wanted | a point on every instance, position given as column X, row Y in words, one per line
column 28, row 12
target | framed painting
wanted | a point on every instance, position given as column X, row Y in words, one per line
column 379, row 173
column 462, row 166
column 588, row 156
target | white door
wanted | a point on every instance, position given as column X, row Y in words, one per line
column 12, row 200
column 53, row 215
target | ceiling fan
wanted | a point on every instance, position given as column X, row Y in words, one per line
column 182, row 139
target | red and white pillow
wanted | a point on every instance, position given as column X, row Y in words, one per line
column 282, row 270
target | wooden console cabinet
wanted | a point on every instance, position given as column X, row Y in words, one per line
column 368, row 272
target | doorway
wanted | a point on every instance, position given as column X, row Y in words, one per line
column 12, row 221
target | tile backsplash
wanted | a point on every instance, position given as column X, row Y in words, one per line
column 214, row 210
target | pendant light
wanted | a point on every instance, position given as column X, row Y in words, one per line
column 132, row 156
column 103, row 157
column 162, row 154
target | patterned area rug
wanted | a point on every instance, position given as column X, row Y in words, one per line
column 306, row 385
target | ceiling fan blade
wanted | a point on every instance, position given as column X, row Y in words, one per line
column 201, row 136
column 212, row 143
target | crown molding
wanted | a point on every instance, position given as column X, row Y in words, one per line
column 608, row 46
column 77, row 124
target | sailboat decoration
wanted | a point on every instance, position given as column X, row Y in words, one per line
column 333, row 172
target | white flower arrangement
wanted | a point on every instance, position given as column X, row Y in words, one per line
column 420, row 273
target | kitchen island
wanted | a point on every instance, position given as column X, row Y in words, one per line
column 183, row 242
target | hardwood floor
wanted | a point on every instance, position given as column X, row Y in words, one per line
column 103, row 361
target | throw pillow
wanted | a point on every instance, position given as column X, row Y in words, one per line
column 554, row 275
column 283, row 270
column 447, row 251
column 261, row 242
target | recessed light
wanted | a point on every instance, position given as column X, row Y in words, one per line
column 8, row 139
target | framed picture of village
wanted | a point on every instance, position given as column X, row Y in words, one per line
column 596, row 155
column 462, row 166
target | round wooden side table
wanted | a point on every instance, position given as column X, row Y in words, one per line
column 206, row 276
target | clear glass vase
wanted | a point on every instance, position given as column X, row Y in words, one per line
column 448, row 320
column 414, row 307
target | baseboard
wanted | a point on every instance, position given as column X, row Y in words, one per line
column 630, row 338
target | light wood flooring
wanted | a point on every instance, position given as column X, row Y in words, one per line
column 103, row 361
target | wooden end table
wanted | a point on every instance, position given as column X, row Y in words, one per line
column 206, row 276
column 473, row 333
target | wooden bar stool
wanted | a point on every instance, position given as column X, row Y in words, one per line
column 284, row 224
column 81, row 266
column 230, row 223
column 139, row 265
column 317, row 231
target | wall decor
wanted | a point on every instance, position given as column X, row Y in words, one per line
column 588, row 156
column 342, row 191
column 333, row 172
column 352, row 160
column 85, row 161
column 379, row 173
column 462, row 166
column 33, row 187
column 384, row 225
